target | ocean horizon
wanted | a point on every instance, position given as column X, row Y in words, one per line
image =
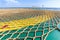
column 37, row 8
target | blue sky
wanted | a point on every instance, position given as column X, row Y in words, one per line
column 29, row 3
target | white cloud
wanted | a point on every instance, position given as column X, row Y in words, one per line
column 11, row 1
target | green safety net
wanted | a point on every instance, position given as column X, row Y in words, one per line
column 36, row 32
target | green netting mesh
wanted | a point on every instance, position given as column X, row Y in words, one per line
column 36, row 32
